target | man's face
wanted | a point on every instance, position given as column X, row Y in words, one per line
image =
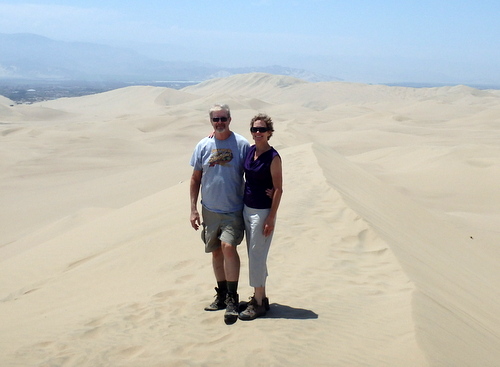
column 220, row 121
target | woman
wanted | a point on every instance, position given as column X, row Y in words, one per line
column 263, row 190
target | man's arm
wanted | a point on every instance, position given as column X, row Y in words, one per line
column 194, row 190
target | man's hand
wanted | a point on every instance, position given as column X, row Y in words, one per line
column 195, row 220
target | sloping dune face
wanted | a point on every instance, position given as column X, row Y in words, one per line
column 385, row 252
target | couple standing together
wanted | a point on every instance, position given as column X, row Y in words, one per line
column 241, row 188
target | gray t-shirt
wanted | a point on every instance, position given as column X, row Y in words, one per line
column 221, row 163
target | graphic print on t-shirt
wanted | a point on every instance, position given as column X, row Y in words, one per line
column 220, row 156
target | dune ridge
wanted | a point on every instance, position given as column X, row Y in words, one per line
column 384, row 254
column 421, row 252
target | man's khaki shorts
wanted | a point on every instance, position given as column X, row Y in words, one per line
column 221, row 227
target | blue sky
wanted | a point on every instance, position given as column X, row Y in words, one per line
column 365, row 41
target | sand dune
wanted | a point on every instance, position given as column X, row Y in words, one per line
column 385, row 253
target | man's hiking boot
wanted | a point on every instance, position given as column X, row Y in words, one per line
column 231, row 314
column 219, row 301
column 253, row 310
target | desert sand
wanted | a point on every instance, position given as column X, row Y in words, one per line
column 386, row 251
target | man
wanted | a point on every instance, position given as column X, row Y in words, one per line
column 218, row 170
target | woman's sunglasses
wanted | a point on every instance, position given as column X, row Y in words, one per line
column 259, row 129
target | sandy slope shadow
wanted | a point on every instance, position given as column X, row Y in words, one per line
column 278, row 311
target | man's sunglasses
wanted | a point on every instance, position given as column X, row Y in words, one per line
column 217, row 119
column 259, row 129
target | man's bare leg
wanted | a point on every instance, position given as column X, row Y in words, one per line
column 232, row 271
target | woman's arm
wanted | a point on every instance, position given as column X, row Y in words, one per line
column 277, row 176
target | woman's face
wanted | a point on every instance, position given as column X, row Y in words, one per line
column 259, row 131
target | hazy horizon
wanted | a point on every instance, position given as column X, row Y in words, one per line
column 386, row 42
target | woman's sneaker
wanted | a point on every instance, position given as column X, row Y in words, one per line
column 253, row 310
column 265, row 302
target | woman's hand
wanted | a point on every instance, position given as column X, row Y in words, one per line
column 269, row 226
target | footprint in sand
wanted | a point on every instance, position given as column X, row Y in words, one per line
column 130, row 352
column 92, row 333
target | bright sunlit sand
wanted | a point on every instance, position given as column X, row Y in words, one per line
column 385, row 253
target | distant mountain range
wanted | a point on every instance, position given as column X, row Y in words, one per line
column 33, row 57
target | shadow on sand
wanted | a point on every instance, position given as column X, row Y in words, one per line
column 278, row 311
